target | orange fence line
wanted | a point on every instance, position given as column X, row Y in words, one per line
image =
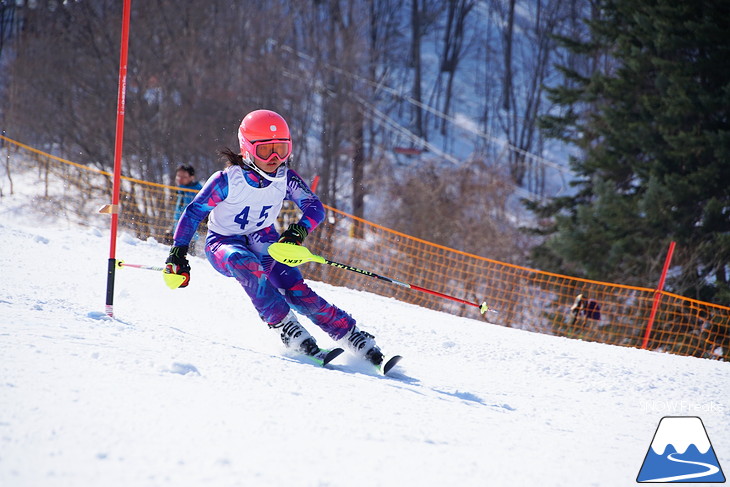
column 486, row 259
column 93, row 169
column 525, row 298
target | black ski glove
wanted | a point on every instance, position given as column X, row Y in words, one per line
column 295, row 234
column 177, row 263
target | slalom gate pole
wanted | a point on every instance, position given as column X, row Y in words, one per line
column 658, row 295
column 294, row 255
column 113, row 209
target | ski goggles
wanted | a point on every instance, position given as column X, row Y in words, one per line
column 267, row 149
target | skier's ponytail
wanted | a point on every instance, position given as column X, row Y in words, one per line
column 230, row 157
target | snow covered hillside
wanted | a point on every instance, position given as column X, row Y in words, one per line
column 189, row 388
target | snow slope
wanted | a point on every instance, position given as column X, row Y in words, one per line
column 188, row 388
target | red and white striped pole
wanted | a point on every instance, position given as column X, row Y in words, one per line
column 658, row 295
column 113, row 209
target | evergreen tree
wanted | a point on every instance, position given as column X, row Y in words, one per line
column 652, row 127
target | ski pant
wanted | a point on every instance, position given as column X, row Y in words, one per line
column 273, row 288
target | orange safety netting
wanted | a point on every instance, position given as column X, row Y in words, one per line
column 523, row 298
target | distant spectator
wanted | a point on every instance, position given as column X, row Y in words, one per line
column 184, row 178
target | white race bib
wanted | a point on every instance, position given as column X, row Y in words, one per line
column 246, row 209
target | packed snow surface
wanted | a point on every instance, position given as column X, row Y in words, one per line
column 188, row 388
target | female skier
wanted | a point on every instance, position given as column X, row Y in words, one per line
column 242, row 202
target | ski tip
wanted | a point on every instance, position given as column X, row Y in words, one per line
column 324, row 356
column 388, row 366
column 331, row 355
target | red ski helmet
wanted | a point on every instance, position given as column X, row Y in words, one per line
column 264, row 126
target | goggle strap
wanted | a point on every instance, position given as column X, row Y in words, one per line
column 281, row 169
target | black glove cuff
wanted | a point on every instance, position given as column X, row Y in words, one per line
column 179, row 251
column 177, row 256
column 298, row 230
column 295, row 234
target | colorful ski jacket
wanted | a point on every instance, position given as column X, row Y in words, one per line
column 241, row 202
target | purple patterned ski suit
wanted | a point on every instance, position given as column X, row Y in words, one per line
column 245, row 257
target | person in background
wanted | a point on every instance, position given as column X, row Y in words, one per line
column 242, row 203
column 185, row 178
